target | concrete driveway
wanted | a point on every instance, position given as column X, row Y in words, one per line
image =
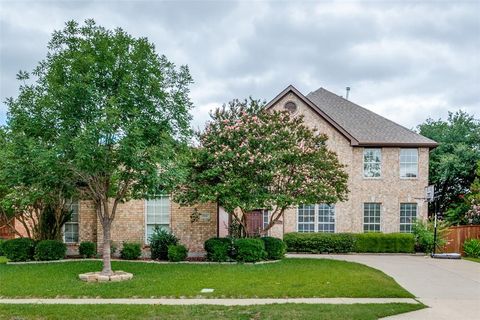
column 451, row 288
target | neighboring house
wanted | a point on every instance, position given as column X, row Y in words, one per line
column 387, row 166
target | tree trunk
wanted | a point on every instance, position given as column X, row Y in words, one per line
column 106, row 254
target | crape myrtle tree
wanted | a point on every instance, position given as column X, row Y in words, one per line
column 116, row 111
column 249, row 158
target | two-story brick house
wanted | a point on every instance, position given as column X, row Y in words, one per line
column 387, row 166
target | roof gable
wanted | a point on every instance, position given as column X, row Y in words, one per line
column 326, row 117
column 360, row 126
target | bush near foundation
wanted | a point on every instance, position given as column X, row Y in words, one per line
column 319, row 242
column 159, row 242
column 1, row 250
column 177, row 253
column 249, row 250
column 47, row 250
column 87, row 249
column 131, row 251
column 20, row 249
column 274, row 247
column 350, row 242
column 218, row 249
column 384, row 242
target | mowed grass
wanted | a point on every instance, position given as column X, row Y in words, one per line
column 472, row 259
column 287, row 278
column 279, row 311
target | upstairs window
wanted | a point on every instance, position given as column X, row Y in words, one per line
column 408, row 163
column 158, row 214
column 372, row 162
column 70, row 229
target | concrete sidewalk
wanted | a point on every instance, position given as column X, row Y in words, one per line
column 222, row 302
column 451, row 288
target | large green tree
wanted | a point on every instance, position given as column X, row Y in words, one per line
column 114, row 110
column 453, row 162
column 250, row 158
column 35, row 187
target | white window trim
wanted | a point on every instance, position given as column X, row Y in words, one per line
column 400, row 164
column 145, row 222
column 363, row 164
column 78, row 224
column 316, row 222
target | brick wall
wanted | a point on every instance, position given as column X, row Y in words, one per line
column 390, row 189
column 129, row 225
column 194, row 234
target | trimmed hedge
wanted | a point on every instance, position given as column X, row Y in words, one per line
column 385, row 242
column 218, row 249
column 87, row 249
column 350, row 242
column 249, row 250
column 177, row 252
column 319, row 242
column 20, row 249
column 47, row 250
column 131, row 251
column 274, row 247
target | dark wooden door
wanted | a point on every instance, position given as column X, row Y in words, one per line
column 254, row 222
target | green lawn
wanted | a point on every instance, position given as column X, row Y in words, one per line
column 279, row 311
column 288, row 278
column 472, row 259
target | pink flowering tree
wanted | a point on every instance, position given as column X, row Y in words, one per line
column 473, row 200
column 249, row 158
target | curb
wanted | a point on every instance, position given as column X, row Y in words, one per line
column 222, row 302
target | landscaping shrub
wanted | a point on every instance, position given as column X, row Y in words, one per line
column 87, row 249
column 471, row 247
column 177, row 252
column 218, row 249
column 159, row 242
column 1, row 250
column 249, row 250
column 384, row 242
column 47, row 250
column 131, row 251
column 319, row 242
column 274, row 247
column 20, row 249
column 113, row 248
column 423, row 232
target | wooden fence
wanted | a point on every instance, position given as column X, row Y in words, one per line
column 457, row 235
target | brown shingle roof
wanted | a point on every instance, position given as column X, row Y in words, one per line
column 367, row 127
column 359, row 125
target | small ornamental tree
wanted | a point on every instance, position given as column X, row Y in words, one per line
column 250, row 158
column 115, row 111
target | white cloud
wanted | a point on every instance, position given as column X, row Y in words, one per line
column 407, row 61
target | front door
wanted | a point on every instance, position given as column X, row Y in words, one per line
column 254, row 222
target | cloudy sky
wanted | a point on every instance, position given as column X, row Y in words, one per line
column 405, row 60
